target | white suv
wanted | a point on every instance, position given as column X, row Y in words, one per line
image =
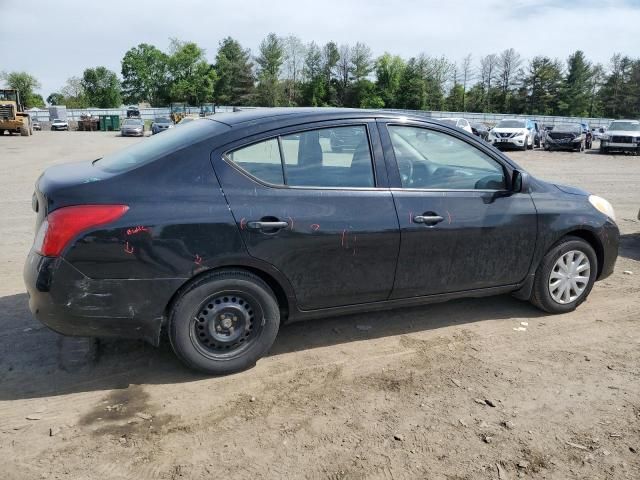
column 622, row 136
column 513, row 133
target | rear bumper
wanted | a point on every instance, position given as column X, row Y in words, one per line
column 70, row 303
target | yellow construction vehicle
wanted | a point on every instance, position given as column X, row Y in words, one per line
column 13, row 118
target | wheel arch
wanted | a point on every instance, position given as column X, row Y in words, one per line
column 285, row 301
column 592, row 239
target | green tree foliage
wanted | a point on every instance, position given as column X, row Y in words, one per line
column 192, row 77
column 235, row 82
column 25, row 84
column 543, row 82
column 145, row 75
column 270, row 60
column 389, row 69
column 577, row 86
column 101, row 87
column 313, row 90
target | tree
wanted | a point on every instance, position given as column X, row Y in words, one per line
column 235, row 82
column 294, row 58
column 466, row 78
column 389, row 69
column 192, row 77
column 25, row 84
column 488, row 67
column 363, row 90
column 508, row 64
column 577, row 87
column 330, row 58
column 270, row 60
column 412, row 90
column 314, row 86
column 543, row 81
column 55, row 99
column 145, row 75
column 74, row 94
column 343, row 73
column 101, row 87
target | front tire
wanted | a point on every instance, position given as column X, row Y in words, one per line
column 224, row 322
column 526, row 144
column 565, row 276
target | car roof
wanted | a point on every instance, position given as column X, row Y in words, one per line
column 258, row 116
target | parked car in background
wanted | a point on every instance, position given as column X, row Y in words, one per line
column 515, row 133
column 481, row 130
column 597, row 132
column 220, row 231
column 160, row 124
column 462, row 123
column 565, row 136
column 588, row 136
column 132, row 127
column 621, row 136
column 133, row 112
column 36, row 124
column 58, row 124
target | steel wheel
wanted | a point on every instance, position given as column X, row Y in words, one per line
column 569, row 277
column 225, row 324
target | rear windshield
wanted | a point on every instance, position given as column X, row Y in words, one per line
column 132, row 122
column 152, row 148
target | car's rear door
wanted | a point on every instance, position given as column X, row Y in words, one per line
column 461, row 229
column 320, row 212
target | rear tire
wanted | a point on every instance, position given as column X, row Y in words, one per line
column 24, row 130
column 224, row 322
column 550, row 270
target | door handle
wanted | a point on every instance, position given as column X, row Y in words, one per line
column 260, row 225
column 428, row 219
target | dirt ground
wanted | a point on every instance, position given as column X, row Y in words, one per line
column 450, row 391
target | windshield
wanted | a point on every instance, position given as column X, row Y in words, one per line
column 625, row 126
column 159, row 146
column 511, row 124
column 162, row 120
column 568, row 127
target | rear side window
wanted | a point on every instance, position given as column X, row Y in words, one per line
column 327, row 157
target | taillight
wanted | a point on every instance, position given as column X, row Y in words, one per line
column 64, row 224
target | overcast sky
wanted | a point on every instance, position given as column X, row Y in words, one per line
column 54, row 40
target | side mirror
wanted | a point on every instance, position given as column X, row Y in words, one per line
column 519, row 181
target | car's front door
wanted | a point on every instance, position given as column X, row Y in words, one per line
column 311, row 202
column 461, row 229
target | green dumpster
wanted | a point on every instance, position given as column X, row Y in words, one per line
column 109, row 123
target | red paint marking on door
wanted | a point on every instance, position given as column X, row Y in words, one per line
column 243, row 223
column 291, row 223
column 449, row 216
column 315, row 227
column 198, row 260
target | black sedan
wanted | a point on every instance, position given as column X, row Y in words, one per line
column 228, row 227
